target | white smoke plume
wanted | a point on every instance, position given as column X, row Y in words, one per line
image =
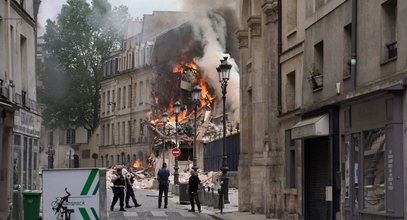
column 212, row 28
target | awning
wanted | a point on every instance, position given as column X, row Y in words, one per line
column 312, row 127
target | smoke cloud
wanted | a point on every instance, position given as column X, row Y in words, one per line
column 207, row 19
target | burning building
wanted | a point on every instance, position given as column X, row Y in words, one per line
column 179, row 66
column 125, row 89
column 148, row 77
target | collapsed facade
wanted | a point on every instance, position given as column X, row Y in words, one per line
column 323, row 134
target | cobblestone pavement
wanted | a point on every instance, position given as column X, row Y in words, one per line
column 149, row 208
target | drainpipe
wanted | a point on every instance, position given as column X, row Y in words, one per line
column 278, row 56
column 354, row 43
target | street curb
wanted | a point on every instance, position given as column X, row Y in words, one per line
column 216, row 216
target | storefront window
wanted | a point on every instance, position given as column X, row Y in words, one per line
column 373, row 169
column 356, row 144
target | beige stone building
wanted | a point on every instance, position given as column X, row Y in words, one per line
column 323, row 134
column 19, row 122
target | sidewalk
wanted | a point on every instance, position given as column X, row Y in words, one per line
column 231, row 210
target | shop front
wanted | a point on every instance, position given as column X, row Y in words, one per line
column 320, row 164
column 372, row 157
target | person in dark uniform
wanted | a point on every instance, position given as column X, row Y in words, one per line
column 119, row 183
column 129, row 189
column 193, row 184
column 162, row 177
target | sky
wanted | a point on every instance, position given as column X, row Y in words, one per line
column 49, row 9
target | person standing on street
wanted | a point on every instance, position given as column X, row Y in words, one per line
column 129, row 189
column 119, row 183
column 193, row 184
column 162, row 177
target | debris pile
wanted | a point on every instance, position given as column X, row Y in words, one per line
column 144, row 177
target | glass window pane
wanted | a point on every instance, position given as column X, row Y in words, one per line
column 373, row 169
column 355, row 146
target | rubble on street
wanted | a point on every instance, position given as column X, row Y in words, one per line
column 144, row 177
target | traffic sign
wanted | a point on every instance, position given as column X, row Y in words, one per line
column 176, row 152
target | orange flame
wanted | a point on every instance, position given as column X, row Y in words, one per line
column 183, row 66
column 206, row 99
column 137, row 164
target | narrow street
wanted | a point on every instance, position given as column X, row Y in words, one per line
column 150, row 210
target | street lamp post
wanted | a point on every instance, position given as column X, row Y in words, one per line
column 164, row 119
column 224, row 73
column 195, row 98
column 177, row 108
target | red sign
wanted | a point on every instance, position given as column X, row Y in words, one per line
column 176, row 152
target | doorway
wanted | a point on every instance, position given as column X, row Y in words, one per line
column 317, row 177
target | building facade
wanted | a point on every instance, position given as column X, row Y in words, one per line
column 20, row 122
column 126, row 92
column 331, row 77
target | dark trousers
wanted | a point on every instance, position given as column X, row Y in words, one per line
column 194, row 196
column 162, row 188
column 118, row 193
column 130, row 194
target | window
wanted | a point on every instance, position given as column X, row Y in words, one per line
column 136, row 133
column 290, row 155
column 141, row 93
column 129, row 129
column 25, row 165
column 319, row 57
column 119, row 93
column 17, row 140
column 347, row 50
column 89, row 134
column 290, row 91
column 141, row 128
column 113, row 134
column 373, row 169
column 135, row 94
column 103, row 135
column 103, row 103
column 129, row 97
column 108, row 100
column 86, row 154
column 389, row 34
column 24, row 98
column 124, row 97
column 23, row 61
column 355, row 173
column 124, row 132
column 113, row 103
column 70, row 136
column 316, row 70
column 108, row 134
column 123, row 158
